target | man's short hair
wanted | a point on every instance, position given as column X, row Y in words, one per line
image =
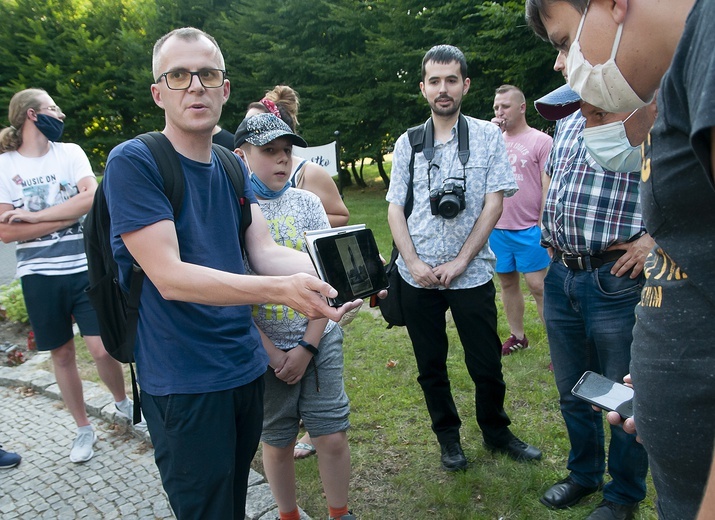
column 505, row 89
column 445, row 54
column 535, row 9
column 186, row 34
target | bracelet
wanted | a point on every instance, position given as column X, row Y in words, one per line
column 310, row 348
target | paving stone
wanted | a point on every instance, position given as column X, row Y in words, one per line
column 121, row 480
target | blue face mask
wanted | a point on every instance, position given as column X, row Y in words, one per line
column 51, row 127
column 609, row 145
column 263, row 191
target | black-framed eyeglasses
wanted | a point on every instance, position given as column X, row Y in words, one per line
column 181, row 79
column 54, row 108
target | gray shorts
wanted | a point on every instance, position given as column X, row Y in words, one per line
column 323, row 412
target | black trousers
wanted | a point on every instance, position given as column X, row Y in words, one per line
column 475, row 315
column 203, row 446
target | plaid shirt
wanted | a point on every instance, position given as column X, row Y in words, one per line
column 587, row 208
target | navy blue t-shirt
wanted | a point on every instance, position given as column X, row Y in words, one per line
column 181, row 347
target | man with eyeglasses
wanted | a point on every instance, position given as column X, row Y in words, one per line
column 199, row 356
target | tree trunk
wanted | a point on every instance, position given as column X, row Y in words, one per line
column 381, row 169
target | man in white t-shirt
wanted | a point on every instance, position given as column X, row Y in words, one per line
column 517, row 235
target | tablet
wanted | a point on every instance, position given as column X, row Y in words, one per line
column 347, row 258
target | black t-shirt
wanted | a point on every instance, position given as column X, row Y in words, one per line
column 224, row 138
column 677, row 192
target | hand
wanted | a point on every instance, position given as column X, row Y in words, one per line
column 448, row 272
column 499, row 122
column 423, row 274
column 293, row 370
column 19, row 215
column 276, row 358
column 614, row 418
column 307, row 295
column 634, row 257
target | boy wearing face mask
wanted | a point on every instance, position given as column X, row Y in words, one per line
column 305, row 376
column 46, row 188
column 593, row 228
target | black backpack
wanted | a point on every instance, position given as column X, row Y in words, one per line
column 117, row 311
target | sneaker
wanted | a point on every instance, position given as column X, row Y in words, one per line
column 349, row 516
column 126, row 410
column 513, row 344
column 9, row 459
column 82, row 446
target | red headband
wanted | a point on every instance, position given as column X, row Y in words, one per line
column 272, row 108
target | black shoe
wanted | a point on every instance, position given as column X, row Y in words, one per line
column 453, row 458
column 566, row 493
column 517, row 450
column 608, row 510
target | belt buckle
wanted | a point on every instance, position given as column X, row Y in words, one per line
column 568, row 257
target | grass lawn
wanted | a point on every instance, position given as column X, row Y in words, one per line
column 395, row 456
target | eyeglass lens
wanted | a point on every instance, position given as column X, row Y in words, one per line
column 181, row 79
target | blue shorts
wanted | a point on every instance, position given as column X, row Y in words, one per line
column 52, row 302
column 519, row 250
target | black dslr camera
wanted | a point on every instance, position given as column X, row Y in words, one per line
column 448, row 200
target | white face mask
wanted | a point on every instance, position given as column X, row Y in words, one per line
column 609, row 146
column 601, row 85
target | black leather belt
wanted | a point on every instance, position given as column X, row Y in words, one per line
column 589, row 262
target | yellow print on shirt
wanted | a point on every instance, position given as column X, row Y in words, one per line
column 284, row 226
column 659, row 267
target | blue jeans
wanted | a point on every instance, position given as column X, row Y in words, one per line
column 589, row 321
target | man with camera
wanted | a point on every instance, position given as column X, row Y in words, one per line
column 459, row 177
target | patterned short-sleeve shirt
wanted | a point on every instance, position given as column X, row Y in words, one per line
column 438, row 240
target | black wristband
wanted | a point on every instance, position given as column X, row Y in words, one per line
column 310, row 348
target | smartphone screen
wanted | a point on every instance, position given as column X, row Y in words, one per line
column 601, row 391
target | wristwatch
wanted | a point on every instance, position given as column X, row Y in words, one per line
column 310, row 348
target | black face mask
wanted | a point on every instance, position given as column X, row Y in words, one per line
column 51, row 127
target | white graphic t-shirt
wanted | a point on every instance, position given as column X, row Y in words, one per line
column 36, row 183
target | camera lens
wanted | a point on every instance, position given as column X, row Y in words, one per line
column 449, row 205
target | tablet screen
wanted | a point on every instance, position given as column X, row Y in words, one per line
column 352, row 265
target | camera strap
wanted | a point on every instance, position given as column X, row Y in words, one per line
column 462, row 137
column 462, row 146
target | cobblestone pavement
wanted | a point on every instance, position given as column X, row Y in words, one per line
column 120, row 481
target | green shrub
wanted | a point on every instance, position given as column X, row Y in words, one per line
column 13, row 303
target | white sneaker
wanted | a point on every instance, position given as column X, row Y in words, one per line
column 82, row 447
column 126, row 410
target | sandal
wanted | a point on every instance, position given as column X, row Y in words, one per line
column 301, row 447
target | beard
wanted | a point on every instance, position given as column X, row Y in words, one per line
column 445, row 111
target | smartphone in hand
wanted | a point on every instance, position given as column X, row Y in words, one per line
column 604, row 393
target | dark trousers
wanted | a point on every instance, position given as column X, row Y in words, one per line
column 475, row 315
column 203, row 446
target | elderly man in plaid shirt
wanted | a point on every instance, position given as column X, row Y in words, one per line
column 594, row 231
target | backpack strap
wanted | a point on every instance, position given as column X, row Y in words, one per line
column 236, row 171
column 416, row 136
column 169, row 167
